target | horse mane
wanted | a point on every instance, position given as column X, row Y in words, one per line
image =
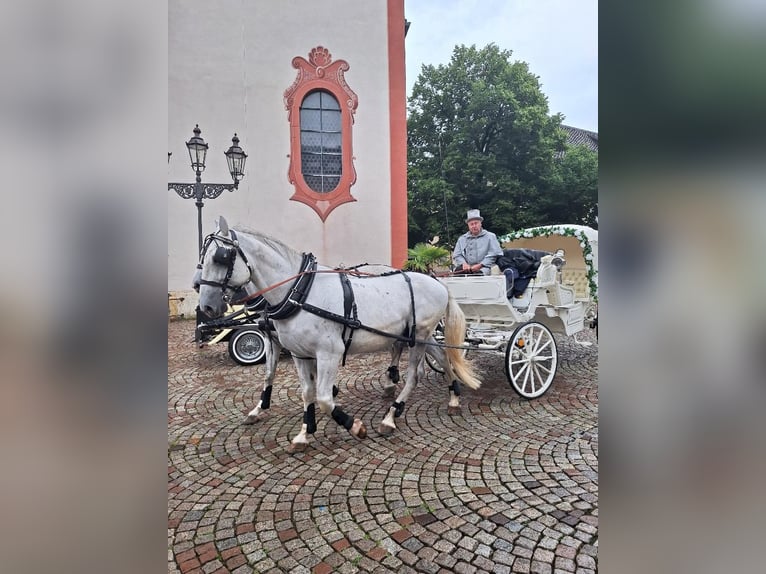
column 276, row 244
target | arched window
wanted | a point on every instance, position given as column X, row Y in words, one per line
column 320, row 108
column 321, row 142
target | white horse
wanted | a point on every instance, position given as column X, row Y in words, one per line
column 321, row 314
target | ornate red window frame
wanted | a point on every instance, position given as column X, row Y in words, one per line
column 321, row 73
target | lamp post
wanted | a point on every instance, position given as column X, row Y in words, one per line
column 197, row 147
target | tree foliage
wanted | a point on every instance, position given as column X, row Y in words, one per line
column 480, row 136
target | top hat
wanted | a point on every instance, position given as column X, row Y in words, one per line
column 473, row 214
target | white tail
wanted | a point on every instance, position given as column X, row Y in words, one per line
column 454, row 334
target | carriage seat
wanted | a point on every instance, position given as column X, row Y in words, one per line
column 560, row 295
column 578, row 280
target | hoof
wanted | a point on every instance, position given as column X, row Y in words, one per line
column 385, row 430
column 358, row 429
column 388, row 392
column 252, row 419
column 296, row 447
column 454, row 410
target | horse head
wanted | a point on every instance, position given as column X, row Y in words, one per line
column 223, row 269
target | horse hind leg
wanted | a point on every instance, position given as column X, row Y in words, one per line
column 259, row 413
column 387, row 425
column 453, row 407
column 437, row 352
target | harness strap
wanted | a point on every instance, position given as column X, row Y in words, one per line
column 353, row 323
column 413, row 327
column 288, row 306
column 349, row 271
column 235, row 242
column 224, row 285
column 349, row 310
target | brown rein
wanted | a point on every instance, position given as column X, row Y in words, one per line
column 297, row 276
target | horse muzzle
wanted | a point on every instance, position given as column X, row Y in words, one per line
column 212, row 307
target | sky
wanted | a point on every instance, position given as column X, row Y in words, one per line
column 557, row 38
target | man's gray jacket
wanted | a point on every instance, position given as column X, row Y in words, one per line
column 483, row 248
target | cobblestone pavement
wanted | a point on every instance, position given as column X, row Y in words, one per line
column 511, row 485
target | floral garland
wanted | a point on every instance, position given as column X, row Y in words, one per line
column 587, row 251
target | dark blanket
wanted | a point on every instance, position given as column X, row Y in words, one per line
column 525, row 261
column 519, row 267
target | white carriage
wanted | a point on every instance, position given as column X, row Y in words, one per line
column 560, row 298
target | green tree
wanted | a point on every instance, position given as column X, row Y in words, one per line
column 573, row 195
column 480, row 136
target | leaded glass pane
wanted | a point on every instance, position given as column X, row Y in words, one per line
column 313, row 100
column 311, row 120
column 311, row 163
column 331, row 164
column 311, row 142
column 331, row 143
column 331, row 183
column 330, row 121
column 314, row 182
column 329, row 102
column 321, row 141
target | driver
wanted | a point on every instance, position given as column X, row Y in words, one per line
column 478, row 249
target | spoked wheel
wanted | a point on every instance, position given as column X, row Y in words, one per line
column 431, row 362
column 248, row 346
column 531, row 359
column 439, row 337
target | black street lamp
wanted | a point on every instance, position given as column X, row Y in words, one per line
column 235, row 157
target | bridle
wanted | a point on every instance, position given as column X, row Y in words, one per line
column 225, row 254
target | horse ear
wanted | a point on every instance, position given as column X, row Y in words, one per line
column 223, row 227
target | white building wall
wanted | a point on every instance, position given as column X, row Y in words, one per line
column 229, row 66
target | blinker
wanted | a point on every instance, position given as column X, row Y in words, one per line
column 223, row 255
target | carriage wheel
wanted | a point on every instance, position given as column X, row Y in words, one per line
column 431, row 362
column 531, row 359
column 439, row 337
column 248, row 346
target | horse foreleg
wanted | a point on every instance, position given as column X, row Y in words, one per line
column 387, row 425
column 273, row 349
column 327, row 371
column 393, row 370
column 307, row 377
